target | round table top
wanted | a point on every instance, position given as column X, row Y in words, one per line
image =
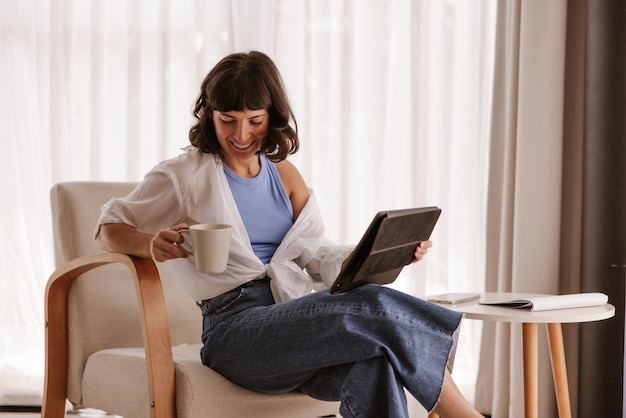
column 474, row 310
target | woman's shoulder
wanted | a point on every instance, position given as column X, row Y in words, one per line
column 287, row 167
column 190, row 159
column 288, row 172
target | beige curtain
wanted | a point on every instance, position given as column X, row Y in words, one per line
column 524, row 197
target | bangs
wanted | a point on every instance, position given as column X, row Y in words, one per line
column 246, row 90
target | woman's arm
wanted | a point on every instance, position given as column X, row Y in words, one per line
column 122, row 238
column 295, row 186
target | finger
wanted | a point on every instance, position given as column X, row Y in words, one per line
column 164, row 246
column 426, row 244
column 168, row 253
column 179, row 227
column 421, row 250
column 171, row 235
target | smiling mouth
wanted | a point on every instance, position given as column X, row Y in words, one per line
column 253, row 141
column 242, row 146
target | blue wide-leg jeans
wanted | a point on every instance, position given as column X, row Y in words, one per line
column 361, row 347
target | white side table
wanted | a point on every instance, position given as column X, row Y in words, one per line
column 529, row 320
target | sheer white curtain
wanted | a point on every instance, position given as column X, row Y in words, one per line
column 392, row 100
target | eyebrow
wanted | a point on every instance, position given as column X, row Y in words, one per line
column 260, row 115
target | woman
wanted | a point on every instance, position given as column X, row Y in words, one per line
column 263, row 326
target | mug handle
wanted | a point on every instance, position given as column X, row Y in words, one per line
column 187, row 244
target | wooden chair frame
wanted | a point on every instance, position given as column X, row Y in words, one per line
column 154, row 325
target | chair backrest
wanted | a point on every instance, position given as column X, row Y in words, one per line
column 103, row 310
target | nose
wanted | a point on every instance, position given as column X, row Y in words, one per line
column 243, row 133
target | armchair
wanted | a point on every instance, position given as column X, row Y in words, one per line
column 122, row 337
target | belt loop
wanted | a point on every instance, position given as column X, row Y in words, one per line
column 204, row 307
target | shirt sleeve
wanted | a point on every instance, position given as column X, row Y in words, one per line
column 155, row 204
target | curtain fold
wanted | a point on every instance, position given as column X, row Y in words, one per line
column 524, row 196
column 603, row 253
column 393, row 101
column 573, row 124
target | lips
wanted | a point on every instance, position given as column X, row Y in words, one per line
column 242, row 146
column 253, row 142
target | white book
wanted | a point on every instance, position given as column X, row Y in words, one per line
column 546, row 303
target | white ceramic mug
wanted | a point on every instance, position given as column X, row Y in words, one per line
column 209, row 244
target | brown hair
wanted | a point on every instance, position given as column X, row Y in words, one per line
column 245, row 80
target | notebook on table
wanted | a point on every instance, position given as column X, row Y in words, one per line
column 386, row 247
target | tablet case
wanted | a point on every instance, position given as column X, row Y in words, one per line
column 386, row 247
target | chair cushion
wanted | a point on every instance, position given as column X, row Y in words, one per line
column 118, row 378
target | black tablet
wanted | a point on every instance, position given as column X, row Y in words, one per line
column 386, row 247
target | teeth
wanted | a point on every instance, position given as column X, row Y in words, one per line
column 241, row 146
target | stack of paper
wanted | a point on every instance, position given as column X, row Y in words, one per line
column 546, row 303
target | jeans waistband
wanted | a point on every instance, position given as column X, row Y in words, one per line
column 252, row 283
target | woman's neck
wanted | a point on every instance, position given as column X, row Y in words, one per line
column 247, row 168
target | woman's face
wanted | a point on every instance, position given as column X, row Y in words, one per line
column 240, row 133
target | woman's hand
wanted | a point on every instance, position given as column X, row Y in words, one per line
column 421, row 250
column 163, row 246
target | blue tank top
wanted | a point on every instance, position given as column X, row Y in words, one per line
column 264, row 207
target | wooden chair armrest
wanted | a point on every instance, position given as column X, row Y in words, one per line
column 154, row 325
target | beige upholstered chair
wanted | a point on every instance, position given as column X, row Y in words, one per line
column 122, row 337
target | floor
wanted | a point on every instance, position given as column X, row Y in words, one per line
column 82, row 414
column 88, row 413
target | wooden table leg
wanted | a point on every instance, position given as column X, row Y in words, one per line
column 529, row 339
column 559, row 371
